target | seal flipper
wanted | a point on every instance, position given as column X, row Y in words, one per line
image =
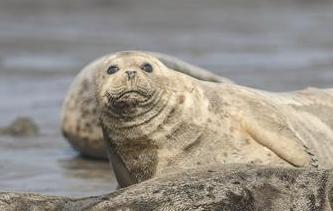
column 272, row 130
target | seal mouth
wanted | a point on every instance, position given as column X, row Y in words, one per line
column 129, row 98
column 130, row 94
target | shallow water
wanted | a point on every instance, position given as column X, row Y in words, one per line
column 274, row 45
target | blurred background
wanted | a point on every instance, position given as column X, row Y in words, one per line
column 268, row 44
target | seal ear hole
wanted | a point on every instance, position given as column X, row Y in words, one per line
column 147, row 67
column 112, row 69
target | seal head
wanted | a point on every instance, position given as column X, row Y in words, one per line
column 127, row 87
column 132, row 88
column 129, row 84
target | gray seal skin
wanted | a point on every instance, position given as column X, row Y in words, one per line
column 80, row 120
column 157, row 120
column 227, row 188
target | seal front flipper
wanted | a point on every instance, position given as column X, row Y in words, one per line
column 270, row 128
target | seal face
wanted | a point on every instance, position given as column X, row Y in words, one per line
column 130, row 90
column 129, row 87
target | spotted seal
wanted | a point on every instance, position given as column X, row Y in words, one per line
column 156, row 120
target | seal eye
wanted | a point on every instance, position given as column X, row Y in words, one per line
column 147, row 67
column 112, row 69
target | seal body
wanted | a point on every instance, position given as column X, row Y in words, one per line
column 80, row 123
column 157, row 120
column 80, row 119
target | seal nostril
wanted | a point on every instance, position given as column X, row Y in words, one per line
column 130, row 74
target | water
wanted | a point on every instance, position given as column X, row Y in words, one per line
column 267, row 44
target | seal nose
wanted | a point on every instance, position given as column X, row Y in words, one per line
column 130, row 74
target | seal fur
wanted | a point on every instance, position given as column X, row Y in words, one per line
column 179, row 122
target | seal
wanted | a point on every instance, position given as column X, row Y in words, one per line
column 80, row 121
column 210, row 188
column 157, row 120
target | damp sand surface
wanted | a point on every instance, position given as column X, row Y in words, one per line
column 267, row 44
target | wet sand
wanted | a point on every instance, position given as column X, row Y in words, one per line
column 267, row 44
